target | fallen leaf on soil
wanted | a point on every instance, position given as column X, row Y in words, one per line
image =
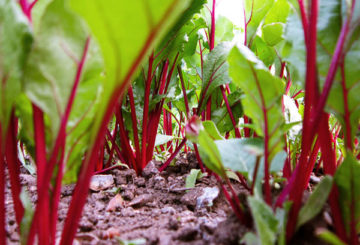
column 116, row 202
column 111, row 233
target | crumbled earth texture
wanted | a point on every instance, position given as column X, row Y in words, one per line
column 155, row 207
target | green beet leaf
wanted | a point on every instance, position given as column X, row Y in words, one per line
column 211, row 129
column 274, row 22
column 255, row 11
column 194, row 175
column 28, row 215
column 210, row 154
column 50, row 73
column 270, row 226
column 348, row 183
column 182, row 39
column 127, row 31
column 293, row 51
column 38, row 11
column 221, row 117
column 329, row 237
column 15, row 44
column 264, row 52
column 351, row 80
column 224, row 30
column 162, row 139
column 215, row 72
column 262, row 95
column 266, row 223
column 316, row 201
column 240, row 154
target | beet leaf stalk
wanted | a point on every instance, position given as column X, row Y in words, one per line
column 212, row 45
column 56, row 159
column 310, row 96
column 146, row 110
column 13, row 164
column 137, row 157
column 2, row 191
column 315, row 119
column 253, row 77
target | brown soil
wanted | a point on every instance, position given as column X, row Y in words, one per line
column 156, row 207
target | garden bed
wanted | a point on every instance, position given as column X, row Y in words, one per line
column 156, row 208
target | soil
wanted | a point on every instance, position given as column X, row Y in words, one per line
column 155, row 207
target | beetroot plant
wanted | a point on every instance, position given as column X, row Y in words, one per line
column 53, row 82
column 292, row 45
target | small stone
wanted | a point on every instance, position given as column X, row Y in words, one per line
column 187, row 234
column 200, row 212
column 159, row 179
column 149, row 170
column 62, row 214
column 168, row 210
column 131, row 187
column 207, row 198
column 99, row 206
column 101, row 182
